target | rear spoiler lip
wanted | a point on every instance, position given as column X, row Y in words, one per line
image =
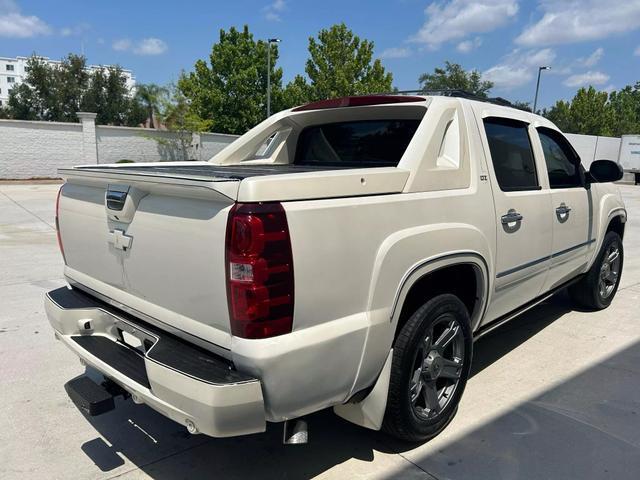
column 221, row 188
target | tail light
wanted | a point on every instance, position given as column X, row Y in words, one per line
column 259, row 270
column 58, row 224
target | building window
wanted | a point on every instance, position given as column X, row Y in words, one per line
column 0, row 103
column 11, row 79
column 9, row 68
column 26, row 69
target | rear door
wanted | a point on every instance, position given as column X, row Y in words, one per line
column 570, row 210
column 524, row 228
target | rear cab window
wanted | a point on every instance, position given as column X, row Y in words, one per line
column 511, row 154
column 360, row 143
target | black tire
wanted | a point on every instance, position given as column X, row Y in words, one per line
column 587, row 293
column 406, row 419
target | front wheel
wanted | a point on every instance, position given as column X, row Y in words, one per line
column 600, row 284
column 431, row 363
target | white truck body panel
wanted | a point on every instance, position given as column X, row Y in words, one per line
column 360, row 239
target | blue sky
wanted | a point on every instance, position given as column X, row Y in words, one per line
column 585, row 42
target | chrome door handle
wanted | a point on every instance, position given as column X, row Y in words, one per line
column 511, row 217
column 563, row 209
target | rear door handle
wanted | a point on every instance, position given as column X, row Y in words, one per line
column 511, row 217
column 563, row 209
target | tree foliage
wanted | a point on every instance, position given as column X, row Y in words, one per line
column 453, row 76
column 57, row 92
column 230, row 89
column 593, row 112
column 339, row 64
column 150, row 97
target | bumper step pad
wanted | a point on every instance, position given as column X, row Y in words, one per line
column 124, row 359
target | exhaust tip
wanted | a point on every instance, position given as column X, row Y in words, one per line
column 296, row 432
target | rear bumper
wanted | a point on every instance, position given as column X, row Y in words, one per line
column 177, row 379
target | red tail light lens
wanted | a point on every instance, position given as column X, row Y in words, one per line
column 58, row 224
column 259, row 270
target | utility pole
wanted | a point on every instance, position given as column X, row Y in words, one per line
column 535, row 101
column 269, row 42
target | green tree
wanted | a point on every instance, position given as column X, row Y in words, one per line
column 340, row 64
column 57, row 92
column 151, row 96
column 588, row 113
column 108, row 96
column 177, row 117
column 230, row 89
column 526, row 106
column 625, row 106
column 453, row 76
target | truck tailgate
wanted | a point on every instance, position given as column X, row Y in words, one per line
column 161, row 256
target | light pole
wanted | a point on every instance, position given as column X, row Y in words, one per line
column 269, row 42
column 535, row 101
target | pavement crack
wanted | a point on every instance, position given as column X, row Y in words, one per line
column 27, row 210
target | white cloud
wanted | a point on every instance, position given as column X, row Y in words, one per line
column 273, row 10
column 447, row 21
column 150, row 46
column 518, row 68
column 75, row 30
column 573, row 21
column 122, row 45
column 147, row 46
column 592, row 59
column 396, row 52
column 13, row 24
column 585, row 79
column 469, row 45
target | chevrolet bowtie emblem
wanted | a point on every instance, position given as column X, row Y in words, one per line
column 119, row 240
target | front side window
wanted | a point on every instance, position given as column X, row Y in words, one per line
column 562, row 162
column 362, row 143
column 511, row 154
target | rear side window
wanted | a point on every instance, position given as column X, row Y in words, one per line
column 364, row 143
column 511, row 153
column 562, row 162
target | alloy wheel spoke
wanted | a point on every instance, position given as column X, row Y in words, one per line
column 430, row 394
column 448, row 335
column 613, row 255
column 415, row 391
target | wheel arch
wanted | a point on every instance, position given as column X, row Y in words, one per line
column 442, row 275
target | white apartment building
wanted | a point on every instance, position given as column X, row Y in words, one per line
column 13, row 71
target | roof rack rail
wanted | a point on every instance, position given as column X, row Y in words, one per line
column 456, row 92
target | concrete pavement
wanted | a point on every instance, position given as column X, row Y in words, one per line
column 554, row 394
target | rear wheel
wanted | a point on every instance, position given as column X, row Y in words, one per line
column 598, row 287
column 431, row 362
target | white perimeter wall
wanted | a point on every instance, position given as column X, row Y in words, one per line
column 38, row 149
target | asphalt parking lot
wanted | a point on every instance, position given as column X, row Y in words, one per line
column 554, row 394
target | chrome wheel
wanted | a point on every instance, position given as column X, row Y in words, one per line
column 609, row 271
column 437, row 367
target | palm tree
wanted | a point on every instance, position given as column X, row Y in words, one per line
column 150, row 95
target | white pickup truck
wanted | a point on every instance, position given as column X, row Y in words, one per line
column 341, row 254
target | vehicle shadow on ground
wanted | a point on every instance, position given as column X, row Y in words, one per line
column 164, row 450
column 587, row 428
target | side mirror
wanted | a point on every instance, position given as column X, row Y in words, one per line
column 603, row 171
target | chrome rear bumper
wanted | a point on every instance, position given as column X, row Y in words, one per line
column 192, row 386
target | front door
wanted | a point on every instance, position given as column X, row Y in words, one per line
column 524, row 227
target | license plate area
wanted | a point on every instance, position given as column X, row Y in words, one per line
column 132, row 336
